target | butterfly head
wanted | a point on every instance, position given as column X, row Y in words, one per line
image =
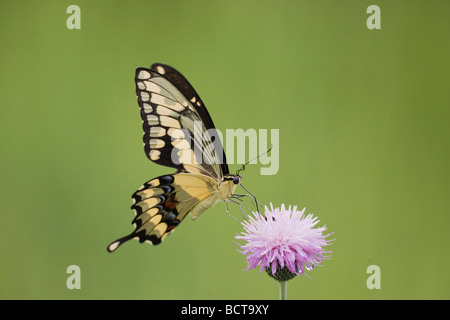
column 236, row 179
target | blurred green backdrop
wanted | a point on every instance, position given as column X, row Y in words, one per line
column 364, row 143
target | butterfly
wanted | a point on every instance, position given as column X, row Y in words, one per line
column 178, row 133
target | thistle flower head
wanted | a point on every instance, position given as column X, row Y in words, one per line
column 283, row 241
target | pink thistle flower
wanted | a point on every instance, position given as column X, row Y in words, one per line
column 284, row 242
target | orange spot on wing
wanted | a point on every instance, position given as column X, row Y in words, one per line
column 170, row 203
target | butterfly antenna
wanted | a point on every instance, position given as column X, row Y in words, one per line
column 243, row 166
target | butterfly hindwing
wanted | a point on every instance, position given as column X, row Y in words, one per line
column 162, row 203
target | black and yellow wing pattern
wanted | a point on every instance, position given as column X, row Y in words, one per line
column 178, row 133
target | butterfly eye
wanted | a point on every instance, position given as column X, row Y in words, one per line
column 236, row 180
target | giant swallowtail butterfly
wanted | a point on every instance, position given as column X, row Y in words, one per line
column 173, row 115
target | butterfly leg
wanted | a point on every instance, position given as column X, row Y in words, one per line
column 239, row 202
column 253, row 197
column 226, row 204
column 237, row 197
column 252, row 200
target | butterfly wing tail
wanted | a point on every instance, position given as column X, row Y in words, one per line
column 156, row 213
column 115, row 244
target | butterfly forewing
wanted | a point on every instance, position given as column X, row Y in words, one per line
column 171, row 121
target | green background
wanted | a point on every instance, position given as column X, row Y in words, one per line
column 364, row 143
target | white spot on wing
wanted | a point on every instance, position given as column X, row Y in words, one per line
column 186, row 156
column 176, row 133
column 164, row 101
column 174, row 92
column 152, row 87
column 181, row 144
column 156, row 143
column 157, row 132
column 160, row 70
column 152, row 119
column 113, row 246
column 145, row 96
column 163, row 111
column 170, row 122
column 155, row 154
column 147, row 108
column 144, row 74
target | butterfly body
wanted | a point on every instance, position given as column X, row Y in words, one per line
column 219, row 192
column 173, row 115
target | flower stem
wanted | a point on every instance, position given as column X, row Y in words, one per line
column 283, row 290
